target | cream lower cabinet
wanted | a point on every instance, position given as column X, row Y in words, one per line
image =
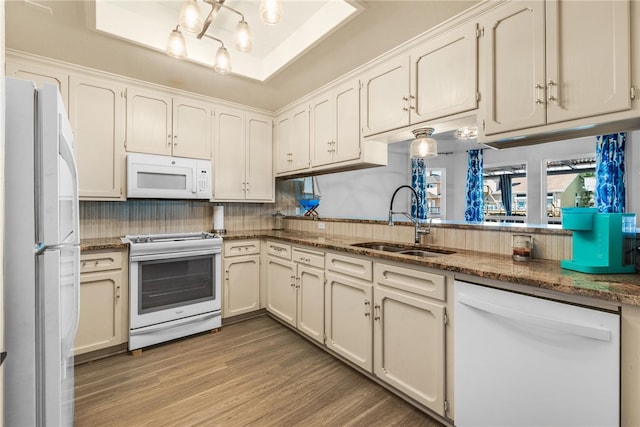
column 348, row 309
column 280, row 274
column 310, row 279
column 295, row 288
column 241, row 287
column 409, row 333
column 104, row 305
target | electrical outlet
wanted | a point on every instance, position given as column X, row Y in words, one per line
column 297, row 211
column 321, row 226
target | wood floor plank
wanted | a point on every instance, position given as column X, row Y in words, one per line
column 251, row 373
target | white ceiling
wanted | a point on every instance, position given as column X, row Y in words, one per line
column 305, row 23
column 65, row 30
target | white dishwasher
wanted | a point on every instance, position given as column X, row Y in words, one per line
column 526, row 361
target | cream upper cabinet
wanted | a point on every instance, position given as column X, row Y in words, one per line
column 242, row 156
column 40, row 74
column 191, row 128
column 409, row 333
column 335, row 124
column 104, row 300
column 385, row 96
column 437, row 78
column 97, row 116
column 158, row 123
column 445, row 74
column 292, row 140
column 537, row 69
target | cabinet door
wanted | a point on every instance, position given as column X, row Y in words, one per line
column 322, row 130
column 191, row 128
column 229, row 171
column 385, row 92
column 284, row 156
column 149, row 122
column 513, row 50
column 281, row 289
column 348, row 323
column 241, row 291
column 100, row 323
column 40, row 74
column 260, row 184
column 409, row 346
column 445, row 74
column 346, row 122
column 300, row 137
column 311, row 302
column 97, row 117
column 583, row 83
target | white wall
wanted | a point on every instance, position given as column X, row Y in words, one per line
column 366, row 194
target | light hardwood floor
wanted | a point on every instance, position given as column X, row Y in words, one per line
column 255, row 373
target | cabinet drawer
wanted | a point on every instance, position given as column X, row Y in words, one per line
column 354, row 267
column 309, row 257
column 414, row 281
column 279, row 249
column 100, row 261
column 241, row 247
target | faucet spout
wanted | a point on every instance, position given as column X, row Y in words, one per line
column 418, row 229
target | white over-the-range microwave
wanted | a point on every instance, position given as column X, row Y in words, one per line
column 164, row 177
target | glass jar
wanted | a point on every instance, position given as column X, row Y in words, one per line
column 522, row 247
column 278, row 221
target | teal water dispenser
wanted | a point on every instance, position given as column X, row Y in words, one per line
column 602, row 243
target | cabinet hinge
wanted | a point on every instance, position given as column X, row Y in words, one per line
column 125, row 93
column 633, row 92
column 477, row 96
column 446, row 406
column 445, row 318
column 479, row 32
column 483, row 125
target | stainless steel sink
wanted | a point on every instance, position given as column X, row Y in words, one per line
column 412, row 250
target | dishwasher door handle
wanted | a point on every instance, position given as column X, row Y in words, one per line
column 595, row 333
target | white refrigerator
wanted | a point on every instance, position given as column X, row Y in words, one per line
column 41, row 257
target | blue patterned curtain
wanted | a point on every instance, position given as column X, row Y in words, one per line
column 474, row 206
column 505, row 193
column 610, row 190
column 419, row 183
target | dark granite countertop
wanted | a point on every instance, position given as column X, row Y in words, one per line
column 544, row 274
column 102, row 243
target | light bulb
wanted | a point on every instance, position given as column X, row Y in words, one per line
column 176, row 46
column 223, row 61
column 190, row 16
column 242, row 37
column 271, row 11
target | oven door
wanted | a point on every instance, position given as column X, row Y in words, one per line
column 165, row 287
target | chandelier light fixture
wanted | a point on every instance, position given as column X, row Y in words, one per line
column 190, row 20
column 423, row 147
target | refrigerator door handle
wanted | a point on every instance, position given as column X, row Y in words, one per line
column 585, row 331
column 66, row 152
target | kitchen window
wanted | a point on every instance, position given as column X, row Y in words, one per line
column 505, row 193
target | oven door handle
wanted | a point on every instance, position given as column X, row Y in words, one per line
column 173, row 255
column 175, row 323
